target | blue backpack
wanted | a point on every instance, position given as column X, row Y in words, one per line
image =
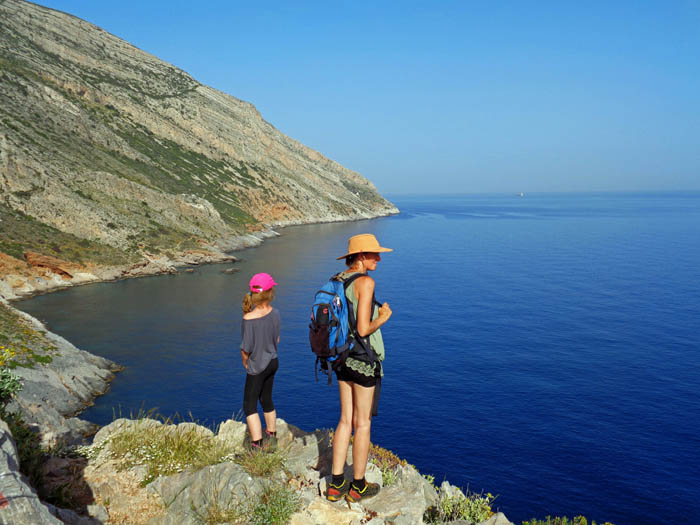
column 333, row 328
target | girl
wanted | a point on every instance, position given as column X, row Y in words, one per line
column 358, row 379
column 260, row 334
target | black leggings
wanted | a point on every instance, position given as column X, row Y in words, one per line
column 259, row 387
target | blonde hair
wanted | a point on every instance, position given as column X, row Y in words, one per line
column 251, row 300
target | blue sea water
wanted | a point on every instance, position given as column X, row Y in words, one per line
column 544, row 348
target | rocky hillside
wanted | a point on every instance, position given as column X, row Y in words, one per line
column 107, row 152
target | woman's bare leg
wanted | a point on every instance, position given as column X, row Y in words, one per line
column 341, row 438
column 362, row 398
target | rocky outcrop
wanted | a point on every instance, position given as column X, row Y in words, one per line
column 113, row 146
column 55, row 391
column 51, row 264
column 190, row 496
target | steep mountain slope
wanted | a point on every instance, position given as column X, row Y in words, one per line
column 115, row 152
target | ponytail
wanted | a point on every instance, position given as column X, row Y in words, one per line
column 248, row 303
column 251, row 300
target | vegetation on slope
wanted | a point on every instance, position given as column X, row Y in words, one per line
column 20, row 233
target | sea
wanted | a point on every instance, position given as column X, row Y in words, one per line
column 544, row 348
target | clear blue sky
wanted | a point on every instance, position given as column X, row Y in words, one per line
column 454, row 96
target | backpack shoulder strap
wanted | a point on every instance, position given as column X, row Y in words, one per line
column 362, row 342
column 348, row 281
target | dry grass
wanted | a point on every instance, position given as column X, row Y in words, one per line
column 167, row 449
column 261, row 464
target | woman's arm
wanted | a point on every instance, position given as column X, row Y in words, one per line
column 364, row 290
column 244, row 358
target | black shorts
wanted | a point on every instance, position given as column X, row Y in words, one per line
column 343, row 373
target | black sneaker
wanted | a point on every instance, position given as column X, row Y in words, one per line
column 354, row 494
column 336, row 492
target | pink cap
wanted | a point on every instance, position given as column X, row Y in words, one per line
column 261, row 282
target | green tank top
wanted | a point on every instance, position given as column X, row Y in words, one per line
column 375, row 338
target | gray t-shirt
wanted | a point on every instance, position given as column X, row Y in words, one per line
column 259, row 339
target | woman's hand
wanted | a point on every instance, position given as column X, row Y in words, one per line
column 384, row 312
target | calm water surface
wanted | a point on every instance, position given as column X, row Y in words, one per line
column 544, row 348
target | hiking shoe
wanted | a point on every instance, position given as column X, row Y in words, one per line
column 336, row 492
column 252, row 446
column 354, row 494
column 269, row 442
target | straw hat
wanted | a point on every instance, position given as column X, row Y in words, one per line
column 364, row 243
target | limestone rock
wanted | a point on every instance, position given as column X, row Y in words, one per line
column 232, row 433
column 189, row 496
column 286, row 432
column 54, row 392
column 194, row 427
column 310, row 455
column 19, row 502
column 497, row 519
column 70, row 517
column 118, row 425
column 404, row 502
column 322, row 512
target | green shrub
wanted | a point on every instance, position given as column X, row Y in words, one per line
column 276, row 505
column 10, row 384
column 388, row 463
column 20, row 343
column 470, row 506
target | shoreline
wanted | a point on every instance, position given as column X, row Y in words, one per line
column 38, row 280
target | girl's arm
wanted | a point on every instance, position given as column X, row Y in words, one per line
column 244, row 358
column 364, row 290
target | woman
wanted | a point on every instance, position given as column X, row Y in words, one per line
column 260, row 333
column 358, row 378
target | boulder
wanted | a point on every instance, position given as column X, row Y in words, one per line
column 190, row 496
column 194, row 427
column 310, row 455
column 232, row 433
column 403, row 502
column 322, row 512
column 119, row 425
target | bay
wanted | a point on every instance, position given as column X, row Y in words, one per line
column 543, row 348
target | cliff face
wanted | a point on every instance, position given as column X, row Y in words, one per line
column 110, row 145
